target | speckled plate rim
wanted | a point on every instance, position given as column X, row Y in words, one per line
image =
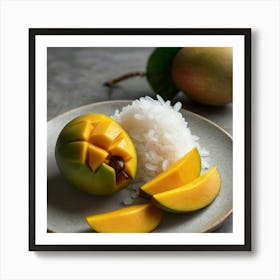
column 209, row 229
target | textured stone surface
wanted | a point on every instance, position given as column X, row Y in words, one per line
column 75, row 77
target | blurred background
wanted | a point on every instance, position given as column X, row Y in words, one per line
column 76, row 76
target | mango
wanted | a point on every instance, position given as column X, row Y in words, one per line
column 204, row 74
column 96, row 155
column 138, row 218
column 181, row 172
column 195, row 195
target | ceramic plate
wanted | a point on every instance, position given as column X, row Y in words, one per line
column 68, row 207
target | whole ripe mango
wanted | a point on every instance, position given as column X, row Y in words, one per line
column 96, row 155
column 204, row 74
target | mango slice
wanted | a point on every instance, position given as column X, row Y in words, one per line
column 139, row 218
column 96, row 155
column 192, row 196
column 181, row 172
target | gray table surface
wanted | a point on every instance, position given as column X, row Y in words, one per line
column 75, row 77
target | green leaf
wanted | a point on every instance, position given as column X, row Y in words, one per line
column 159, row 71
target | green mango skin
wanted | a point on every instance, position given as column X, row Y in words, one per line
column 204, row 74
column 102, row 182
column 74, row 132
column 69, row 158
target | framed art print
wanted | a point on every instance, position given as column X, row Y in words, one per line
column 140, row 139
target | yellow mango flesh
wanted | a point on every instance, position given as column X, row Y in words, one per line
column 104, row 134
column 96, row 157
column 193, row 196
column 84, row 149
column 121, row 148
column 181, row 172
column 140, row 218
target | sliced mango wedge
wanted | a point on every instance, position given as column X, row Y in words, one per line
column 181, row 172
column 192, row 196
column 139, row 218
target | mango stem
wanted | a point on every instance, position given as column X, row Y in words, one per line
column 129, row 75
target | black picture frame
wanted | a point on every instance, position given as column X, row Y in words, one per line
column 33, row 32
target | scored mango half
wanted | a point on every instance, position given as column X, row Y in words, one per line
column 95, row 154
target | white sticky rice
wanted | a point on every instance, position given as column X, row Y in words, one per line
column 160, row 134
